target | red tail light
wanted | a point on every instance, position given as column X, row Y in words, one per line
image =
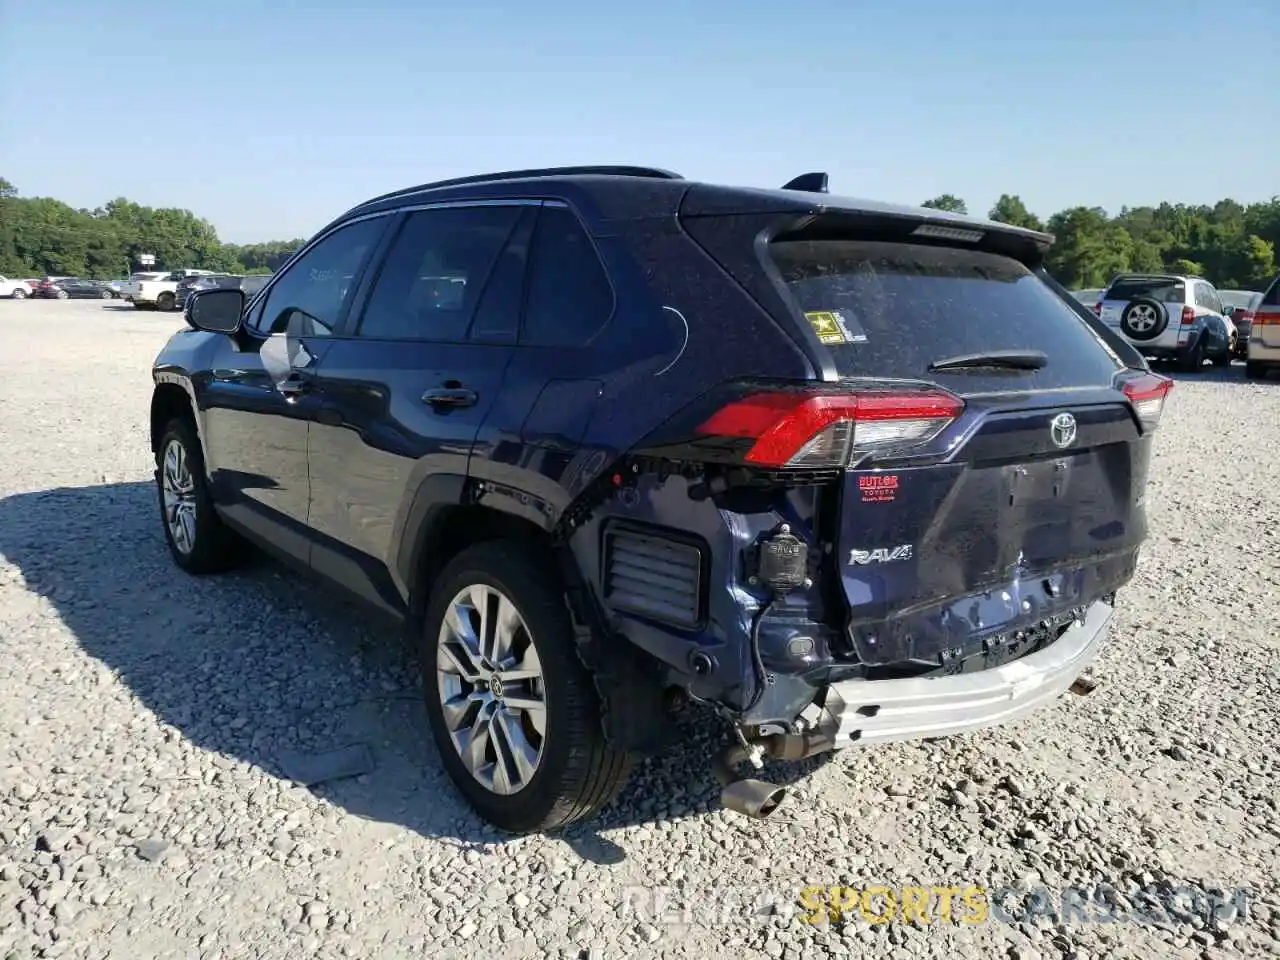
column 1097, row 309
column 1147, row 394
column 1266, row 318
column 1188, row 314
column 813, row 431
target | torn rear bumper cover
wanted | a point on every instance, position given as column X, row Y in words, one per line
column 882, row 711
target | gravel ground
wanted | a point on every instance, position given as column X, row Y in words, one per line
column 145, row 717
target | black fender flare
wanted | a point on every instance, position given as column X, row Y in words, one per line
column 418, row 524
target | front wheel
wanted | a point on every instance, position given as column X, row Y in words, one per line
column 164, row 301
column 62, row 294
column 106, row 294
column 197, row 538
column 18, row 294
column 513, row 711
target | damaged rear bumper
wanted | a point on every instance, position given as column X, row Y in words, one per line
column 882, row 711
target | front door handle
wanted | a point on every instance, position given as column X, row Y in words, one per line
column 449, row 397
column 294, row 385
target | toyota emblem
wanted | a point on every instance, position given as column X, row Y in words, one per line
column 1063, row 430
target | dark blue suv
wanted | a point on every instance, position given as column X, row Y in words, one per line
column 604, row 439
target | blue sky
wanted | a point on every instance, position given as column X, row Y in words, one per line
column 269, row 118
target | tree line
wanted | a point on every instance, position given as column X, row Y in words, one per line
column 40, row 236
column 1231, row 244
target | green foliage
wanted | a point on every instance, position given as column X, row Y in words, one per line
column 948, row 202
column 41, row 236
column 1231, row 244
column 1010, row 209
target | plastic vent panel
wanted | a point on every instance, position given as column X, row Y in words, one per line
column 653, row 576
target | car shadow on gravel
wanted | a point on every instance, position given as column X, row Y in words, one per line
column 260, row 664
column 1206, row 374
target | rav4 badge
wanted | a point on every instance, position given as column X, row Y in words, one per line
column 880, row 555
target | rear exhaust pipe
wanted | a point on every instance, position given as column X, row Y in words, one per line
column 1083, row 686
column 756, row 798
column 752, row 798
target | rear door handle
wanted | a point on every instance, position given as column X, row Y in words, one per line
column 449, row 397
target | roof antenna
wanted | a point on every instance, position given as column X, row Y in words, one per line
column 808, row 182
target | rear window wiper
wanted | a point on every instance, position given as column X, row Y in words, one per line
column 1000, row 359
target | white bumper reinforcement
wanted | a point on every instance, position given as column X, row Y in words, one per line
column 882, row 711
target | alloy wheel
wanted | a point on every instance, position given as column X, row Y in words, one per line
column 1142, row 318
column 179, row 491
column 490, row 684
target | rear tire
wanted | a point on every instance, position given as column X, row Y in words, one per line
column 200, row 543
column 18, row 294
column 573, row 771
column 164, row 301
column 1193, row 360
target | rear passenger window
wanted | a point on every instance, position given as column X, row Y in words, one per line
column 569, row 296
column 435, row 271
column 497, row 318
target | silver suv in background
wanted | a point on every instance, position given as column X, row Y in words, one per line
column 1169, row 317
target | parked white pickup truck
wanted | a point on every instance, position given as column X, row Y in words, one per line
column 14, row 289
column 157, row 291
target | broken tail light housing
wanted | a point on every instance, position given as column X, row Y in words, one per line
column 1147, row 393
column 817, row 430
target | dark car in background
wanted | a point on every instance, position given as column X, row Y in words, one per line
column 1243, row 304
column 605, row 439
column 73, row 288
column 248, row 284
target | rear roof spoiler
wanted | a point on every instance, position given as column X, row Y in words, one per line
column 806, row 208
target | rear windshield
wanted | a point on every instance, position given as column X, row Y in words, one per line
column 1164, row 289
column 892, row 309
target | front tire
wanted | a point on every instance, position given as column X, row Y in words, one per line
column 62, row 295
column 197, row 538
column 105, row 295
column 18, row 294
column 164, row 301
column 513, row 711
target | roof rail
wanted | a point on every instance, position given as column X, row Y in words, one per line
column 608, row 170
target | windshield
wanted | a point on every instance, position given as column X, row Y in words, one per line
column 889, row 310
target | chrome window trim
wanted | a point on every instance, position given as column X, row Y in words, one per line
column 397, row 210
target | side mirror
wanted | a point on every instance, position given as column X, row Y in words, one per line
column 1228, row 311
column 217, row 310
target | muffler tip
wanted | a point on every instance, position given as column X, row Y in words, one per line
column 752, row 798
column 1083, row 686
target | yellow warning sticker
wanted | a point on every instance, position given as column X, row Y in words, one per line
column 826, row 324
